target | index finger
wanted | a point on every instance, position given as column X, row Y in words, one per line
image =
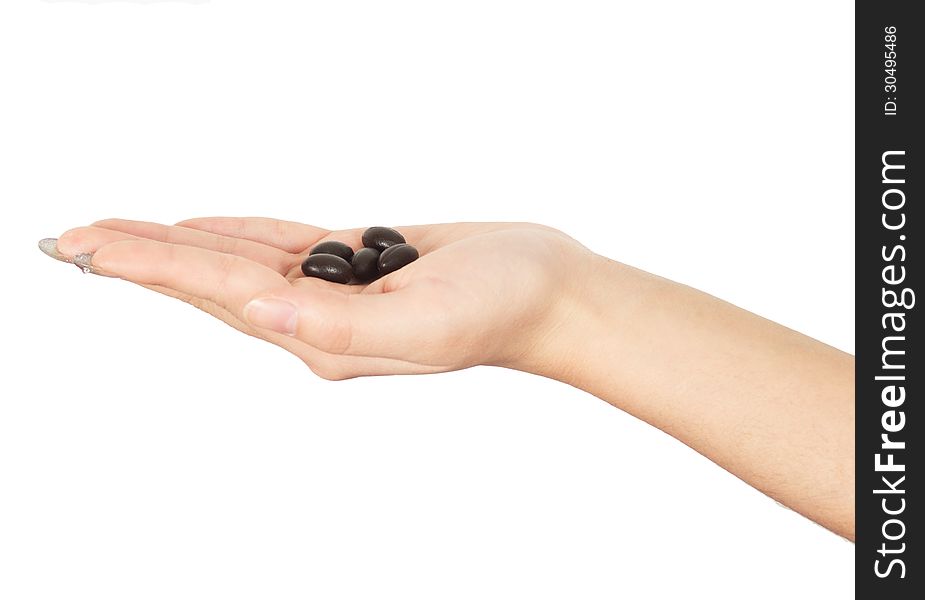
column 228, row 280
column 286, row 235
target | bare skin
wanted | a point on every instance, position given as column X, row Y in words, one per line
column 768, row 404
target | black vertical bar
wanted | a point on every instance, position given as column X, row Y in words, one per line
column 889, row 67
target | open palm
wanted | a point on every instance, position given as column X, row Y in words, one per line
column 481, row 293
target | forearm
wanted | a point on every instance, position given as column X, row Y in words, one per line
column 770, row 405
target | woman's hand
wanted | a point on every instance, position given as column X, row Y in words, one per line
column 481, row 293
column 770, row 405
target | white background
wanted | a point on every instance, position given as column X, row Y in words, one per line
column 147, row 451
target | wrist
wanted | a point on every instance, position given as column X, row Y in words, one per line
column 589, row 330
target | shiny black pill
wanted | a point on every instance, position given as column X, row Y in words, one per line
column 380, row 238
column 395, row 257
column 328, row 267
column 365, row 264
column 336, row 248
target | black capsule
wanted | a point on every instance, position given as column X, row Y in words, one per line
column 365, row 264
column 336, row 248
column 380, row 238
column 328, row 267
column 395, row 257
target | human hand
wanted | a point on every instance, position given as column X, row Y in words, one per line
column 481, row 293
column 718, row 378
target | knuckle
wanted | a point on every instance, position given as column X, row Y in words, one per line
column 338, row 338
column 332, row 335
column 240, row 228
column 225, row 269
column 226, row 245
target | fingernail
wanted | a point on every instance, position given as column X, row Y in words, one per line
column 272, row 313
column 83, row 262
column 50, row 247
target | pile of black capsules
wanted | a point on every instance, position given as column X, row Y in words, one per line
column 384, row 251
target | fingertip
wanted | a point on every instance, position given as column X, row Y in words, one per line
column 272, row 313
column 85, row 240
column 324, row 320
column 128, row 256
column 219, row 225
column 108, row 223
column 71, row 241
column 191, row 223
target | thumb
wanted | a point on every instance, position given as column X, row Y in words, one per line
column 394, row 324
column 273, row 313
